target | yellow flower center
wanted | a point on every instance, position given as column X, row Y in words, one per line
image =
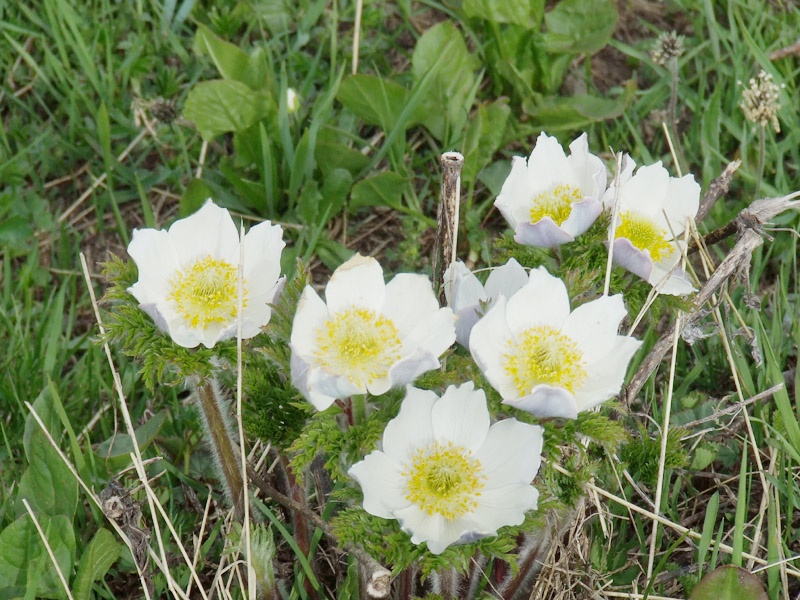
column 359, row 344
column 644, row 234
column 205, row 293
column 543, row 355
column 444, row 479
column 555, row 203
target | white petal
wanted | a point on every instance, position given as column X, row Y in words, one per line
column 358, row 282
column 646, row 192
column 683, row 202
column 434, row 332
column 438, row 532
column 511, row 453
column 490, row 336
column 605, row 376
column 461, row 287
column 504, row 506
column 309, row 319
column 505, row 280
column 676, row 284
column 516, row 191
column 380, row 480
column 547, row 401
column 208, row 232
column 407, row 369
column 628, row 165
column 589, row 168
column 465, row 321
column 548, row 165
column 542, row 301
column 593, row 326
column 542, row 234
column 154, row 254
column 411, row 428
column 262, row 253
column 461, row 416
column 323, row 385
column 409, row 300
column 629, row 256
column 582, row 216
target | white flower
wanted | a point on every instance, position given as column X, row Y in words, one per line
column 465, row 294
column 370, row 336
column 292, row 100
column 188, row 276
column 549, row 361
column 448, row 476
column 654, row 210
column 552, row 199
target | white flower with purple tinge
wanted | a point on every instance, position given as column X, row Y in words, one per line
column 368, row 336
column 469, row 298
column 188, row 276
column 549, row 361
column 654, row 210
column 550, row 199
column 445, row 474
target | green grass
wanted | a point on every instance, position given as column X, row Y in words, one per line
column 355, row 149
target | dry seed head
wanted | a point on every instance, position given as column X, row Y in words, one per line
column 760, row 101
column 667, row 46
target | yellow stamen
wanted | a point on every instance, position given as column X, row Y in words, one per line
column 543, row 355
column 359, row 344
column 555, row 203
column 205, row 293
column 444, row 479
column 645, row 234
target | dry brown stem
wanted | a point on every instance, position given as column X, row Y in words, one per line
column 444, row 251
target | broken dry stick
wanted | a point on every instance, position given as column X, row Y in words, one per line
column 444, row 251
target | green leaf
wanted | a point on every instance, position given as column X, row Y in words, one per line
column 16, row 233
column 221, row 106
column 384, row 189
column 575, row 112
column 484, row 137
column 703, row 456
column 47, row 484
column 334, row 192
column 95, row 562
column 729, row 583
column 308, row 205
column 578, row 26
column 527, row 13
column 331, row 156
column 451, row 92
column 276, row 14
column 121, row 444
column 231, row 62
column 24, row 562
column 374, row 100
column 194, row 196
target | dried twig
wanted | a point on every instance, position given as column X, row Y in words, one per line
column 444, row 251
column 716, row 189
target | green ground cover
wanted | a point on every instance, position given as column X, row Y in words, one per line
column 131, row 114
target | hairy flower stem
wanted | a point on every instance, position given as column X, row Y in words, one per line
column 762, row 150
column 220, row 435
column 358, row 405
column 672, row 65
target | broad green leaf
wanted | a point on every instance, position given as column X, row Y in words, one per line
column 47, row 484
column 221, row 106
column 374, row 100
column 16, row 233
column 451, row 93
column 95, row 562
column 335, row 188
column 231, row 62
column 527, row 13
column 703, row 456
column 121, row 445
column 729, row 583
column 578, row 26
column 308, row 205
column 484, row 137
column 494, row 176
column 24, row 562
column 575, row 112
column 384, row 189
column 276, row 14
column 331, row 156
column 194, row 196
